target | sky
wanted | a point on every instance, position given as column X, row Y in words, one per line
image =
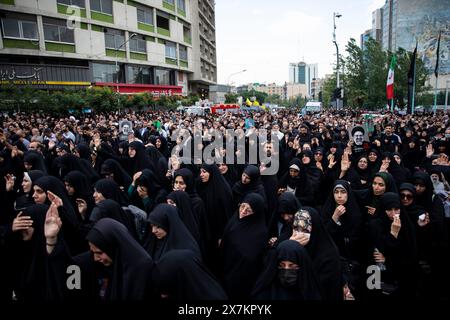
column 263, row 37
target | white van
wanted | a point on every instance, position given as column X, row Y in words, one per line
column 312, row 107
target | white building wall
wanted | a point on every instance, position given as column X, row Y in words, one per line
column 120, row 14
column 82, row 42
column 156, row 52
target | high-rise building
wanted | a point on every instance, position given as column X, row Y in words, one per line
column 158, row 46
column 377, row 19
column 303, row 73
column 204, row 46
column 364, row 37
column 403, row 22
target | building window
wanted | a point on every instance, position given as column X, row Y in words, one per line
column 23, row 29
column 106, row 73
column 187, row 34
column 139, row 75
column 162, row 22
column 145, row 15
column 114, row 39
column 171, row 50
column 164, row 77
column 138, row 44
column 172, row 2
column 183, row 53
column 103, row 6
column 56, row 30
column 181, row 5
column 78, row 3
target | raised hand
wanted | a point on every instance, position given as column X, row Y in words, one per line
column 10, row 179
column 430, row 150
column 136, row 176
column 300, row 237
column 338, row 212
column 21, row 222
column 82, row 207
column 385, row 165
column 395, row 226
column 51, row 144
column 371, row 210
column 54, row 199
column 52, row 223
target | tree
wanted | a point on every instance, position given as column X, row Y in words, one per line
column 231, row 98
column 274, row 99
column 376, row 61
column 354, row 75
column 260, row 96
column 327, row 90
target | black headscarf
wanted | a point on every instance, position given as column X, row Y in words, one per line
column 36, row 160
column 111, row 209
column 30, row 262
column 70, row 162
column 242, row 246
column 141, row 160
column 186, row 213
column 398, row 172
column 218, row 199
column 348, row 235
column 110, row 190
column 83, row 190
column 279, row 228
column 178, row 236
column 303, row 191
column 400, row 252
column 132, row 266
column 84, row 151
column 325, row 257
column 121, row 177
column 425, row 200
column 80, row 183
column 27, row 199
column 254, row 186
column 198, row 206
column 182, row 276
column 53, row 184
column 268, row 285
column 188, row 179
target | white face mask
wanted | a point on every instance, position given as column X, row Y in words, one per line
column 358, row 138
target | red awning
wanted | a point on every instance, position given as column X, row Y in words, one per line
column 155, row 90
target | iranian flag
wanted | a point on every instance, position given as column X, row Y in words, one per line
column 390, row 79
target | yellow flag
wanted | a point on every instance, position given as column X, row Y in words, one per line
column 248, row 102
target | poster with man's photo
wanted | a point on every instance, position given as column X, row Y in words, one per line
column 125, row 127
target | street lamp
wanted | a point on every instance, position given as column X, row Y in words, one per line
column 117, row 67
column 233, row 74
column 336, row 15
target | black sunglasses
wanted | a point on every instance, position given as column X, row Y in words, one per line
column 406, row 196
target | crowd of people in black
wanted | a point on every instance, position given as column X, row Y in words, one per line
column 143, row 222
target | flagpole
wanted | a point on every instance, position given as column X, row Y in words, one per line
column 392, row 105
column 413, row 92
column 436, row 73
column 414, row 85
column 435, row 95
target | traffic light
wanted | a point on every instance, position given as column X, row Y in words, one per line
column 338, row 93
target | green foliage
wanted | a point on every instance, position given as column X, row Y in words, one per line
column 26, row 99
column 327, row 91
column 231, row 98
column 190, row 100
column 365, row 75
